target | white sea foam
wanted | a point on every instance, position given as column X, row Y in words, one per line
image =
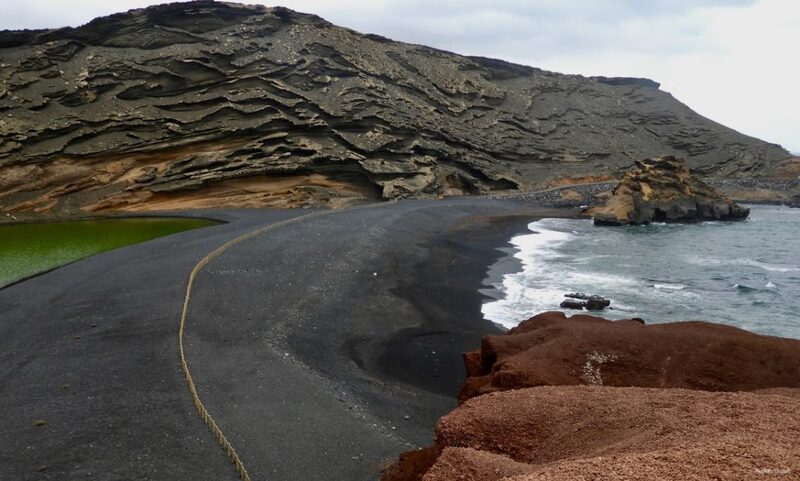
column 547, row 274
column 711, row 262
column 601, row 280
column 618, row 306
column 767, row 266
column 532, row 290
column 774, row 268
column 731, row 273
column 539, row 244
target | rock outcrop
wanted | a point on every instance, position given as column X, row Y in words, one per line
column 214, row 104
column 663, row 190
column 581, row 397
column 581, row 301
column 582, row 433
column 554, row 350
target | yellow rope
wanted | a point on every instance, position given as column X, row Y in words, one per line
column 201, row 409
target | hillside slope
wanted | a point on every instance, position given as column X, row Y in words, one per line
column 210, row 104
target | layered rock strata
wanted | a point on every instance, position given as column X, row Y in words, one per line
column 214, row 104
column 663, row 190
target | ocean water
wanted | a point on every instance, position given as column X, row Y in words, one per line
column 745, row 274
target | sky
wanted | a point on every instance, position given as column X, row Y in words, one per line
column 734, row 61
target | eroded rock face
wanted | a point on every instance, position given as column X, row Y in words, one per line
column 584, row 398
column 183, row 104
column 663, row 190
column 584, row 433
column 553, row 350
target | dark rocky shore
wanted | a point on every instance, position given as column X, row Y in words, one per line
column 326, row 347
column 753, row 191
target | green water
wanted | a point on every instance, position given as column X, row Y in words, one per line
column 28, row 249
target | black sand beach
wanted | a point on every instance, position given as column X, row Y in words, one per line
column 311, row 345
column 442, row 287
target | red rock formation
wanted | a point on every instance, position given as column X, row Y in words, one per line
column 411, row 465
column 552, row 349
column 564, row 414
column 592, row 432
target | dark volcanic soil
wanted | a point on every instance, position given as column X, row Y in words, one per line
column 442, row 288
column 283, row 337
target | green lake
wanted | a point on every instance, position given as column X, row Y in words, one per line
column 28, row 249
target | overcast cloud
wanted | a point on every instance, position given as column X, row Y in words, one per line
column 734, row 61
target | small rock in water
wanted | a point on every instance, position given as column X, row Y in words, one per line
column 597, row 303
column 570, row 304
column 580, row 301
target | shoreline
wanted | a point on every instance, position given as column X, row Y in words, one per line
column 336, row 338
column 449, row 288
column 746, row 191
column 756, row 276
column 751, row 191
column 353, row 324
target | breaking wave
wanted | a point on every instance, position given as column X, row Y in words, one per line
column 660, row 272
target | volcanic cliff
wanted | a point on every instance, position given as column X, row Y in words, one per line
column 584, row 398
column 214, row 104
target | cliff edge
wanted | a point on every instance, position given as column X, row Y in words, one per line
column 581, row 397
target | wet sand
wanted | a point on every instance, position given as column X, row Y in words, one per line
column 445, row 289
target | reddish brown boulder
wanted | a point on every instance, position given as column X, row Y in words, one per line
column 411, row 465
column 551, row 349
column 473, row 464
column 593, row 432
column 551, row 405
